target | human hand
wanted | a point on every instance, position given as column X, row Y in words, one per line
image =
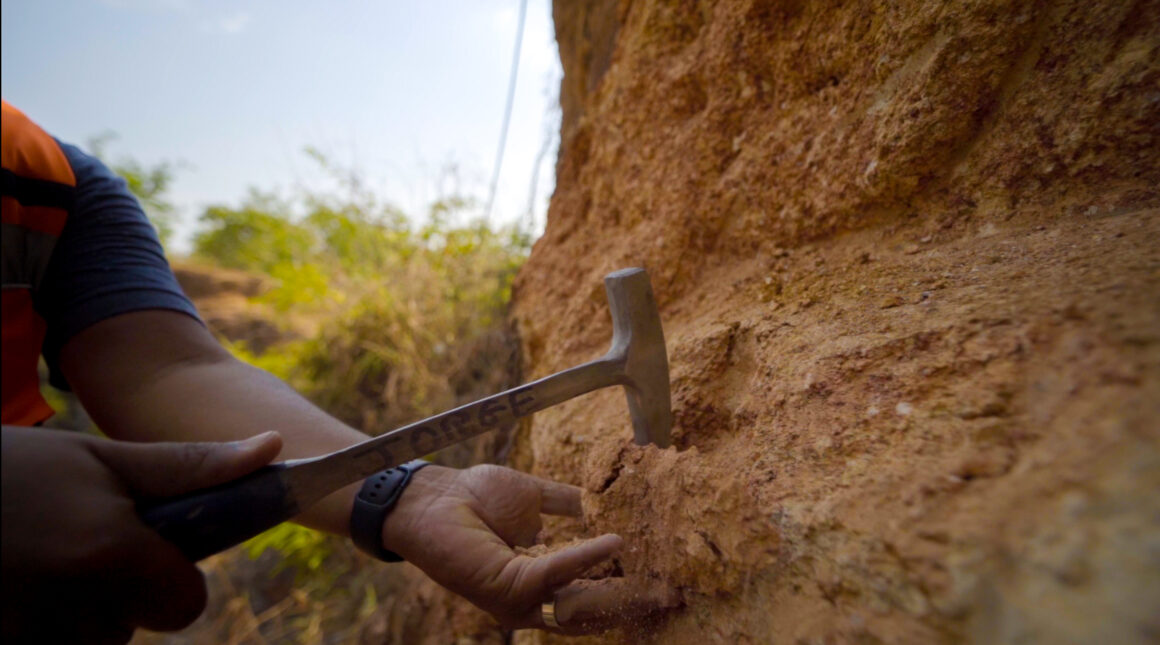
column 78, row 564
column 460, row 527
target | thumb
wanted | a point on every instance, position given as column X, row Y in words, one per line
column 171, row 468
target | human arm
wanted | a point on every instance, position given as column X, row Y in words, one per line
column 122, row 334
column 158, row 375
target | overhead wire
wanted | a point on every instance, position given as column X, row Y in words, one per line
column 507, row 112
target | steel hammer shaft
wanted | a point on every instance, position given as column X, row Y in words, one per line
column 211, row 520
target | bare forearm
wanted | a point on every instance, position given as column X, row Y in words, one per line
column 224, row 400
column 227, row 400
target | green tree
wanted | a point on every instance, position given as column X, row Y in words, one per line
column 396, row 304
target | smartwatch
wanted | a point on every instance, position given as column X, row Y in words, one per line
column 379, row 494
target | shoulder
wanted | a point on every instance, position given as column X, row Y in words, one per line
column 94, row 179
column 108, row 260
column 105, row 216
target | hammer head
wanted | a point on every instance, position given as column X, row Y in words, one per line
column 638, row 340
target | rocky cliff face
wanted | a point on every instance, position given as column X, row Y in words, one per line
column 907, row 260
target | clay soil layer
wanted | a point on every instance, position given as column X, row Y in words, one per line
column 907, row 260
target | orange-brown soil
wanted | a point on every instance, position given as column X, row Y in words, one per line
column 919, row 441
column 908, row 262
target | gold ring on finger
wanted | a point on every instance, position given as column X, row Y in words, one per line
column 548, row 614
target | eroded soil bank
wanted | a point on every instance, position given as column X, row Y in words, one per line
column 908, row 264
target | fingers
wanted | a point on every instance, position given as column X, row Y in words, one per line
column 164, row 469
column 554, row 570
column 559, row 499
column 156, row 586
column 166, row 591
column 588, row 606
column 149, row 581
column 555, row 498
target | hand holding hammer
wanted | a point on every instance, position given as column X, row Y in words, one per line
column 211, row 520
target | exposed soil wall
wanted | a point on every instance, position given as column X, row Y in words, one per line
column 908, row 264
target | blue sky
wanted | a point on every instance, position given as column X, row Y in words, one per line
column 235, row 90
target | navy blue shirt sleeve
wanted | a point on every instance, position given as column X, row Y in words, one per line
column 108, row 261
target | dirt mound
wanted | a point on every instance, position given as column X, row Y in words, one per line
column 224, row 298
column 907, row 264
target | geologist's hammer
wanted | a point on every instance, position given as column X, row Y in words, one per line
column 211, row 520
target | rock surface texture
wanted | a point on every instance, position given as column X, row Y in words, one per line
column 907, row 256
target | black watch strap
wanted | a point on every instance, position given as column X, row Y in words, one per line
column 380, row 492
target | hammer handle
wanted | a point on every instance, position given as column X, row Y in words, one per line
column 212, row 520
column 435, row 433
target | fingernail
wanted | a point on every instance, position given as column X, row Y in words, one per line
column 254, row 441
